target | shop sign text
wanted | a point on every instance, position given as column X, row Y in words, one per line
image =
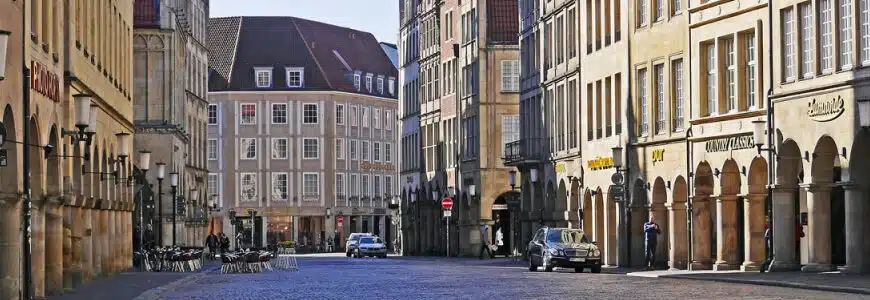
column 43, row 81
column 827, row 110
column 658, row 155
column 560, row 168
column 600, row 163
column 732, row 143
column 375, row 166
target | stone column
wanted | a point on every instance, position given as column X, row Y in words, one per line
column 118, row 239
column 77, row 245
column 111, row 239
column 105, row 251
column 67, row 247
column 639, row 215
column 784, row 258
column 819, row 233
column 663, row 242
column 609, row 252
column 701, row 231
column 37, row 249
column 857, row 210
column 53, row 246
column 622, row 235
column 89, row 261
column 10, row 246
column 753, row 231
column 726, row 233
column 678, row 254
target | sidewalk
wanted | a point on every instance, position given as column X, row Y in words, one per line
column 128, row 285
column 829, row 281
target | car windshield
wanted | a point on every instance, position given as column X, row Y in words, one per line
column 567, row 237
column 370, row 240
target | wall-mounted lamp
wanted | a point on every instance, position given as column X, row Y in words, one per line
column 4, row 43
column 647, row 186
column 533, row 175
column 86, row 120
column 594, row 193
column 806, row 155
column 512, row 179
column 716, row 172
column 843, row 152
column 864, row 113
column 743, row 170
column 669, row 184
column 759, row 134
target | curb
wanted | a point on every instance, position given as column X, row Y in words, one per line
column 825, row 288
column 154, row 293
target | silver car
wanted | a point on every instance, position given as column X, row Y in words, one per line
column 371, row 246
column 353, row 242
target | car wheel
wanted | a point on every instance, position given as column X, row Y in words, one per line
column 348, row 254
column 548, row 266
column 596, row 269
column 548, row 269
column 578, row 270
column 532, row 266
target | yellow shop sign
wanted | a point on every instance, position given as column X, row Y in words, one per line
column 658, row 155
column 600, row 163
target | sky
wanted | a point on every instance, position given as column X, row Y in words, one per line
column 380, row 17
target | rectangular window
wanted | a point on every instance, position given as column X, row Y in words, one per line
column 642, row 12
column 749, row 69
column 730, row 75
column 377, row 118
column 213, row 189
column 248, row 148
column 864, row 6
column 380, row 85
column 364, row 186
column 248, row 187
column 280, row 186
column 279, row 148
column 788, row 45
column 826, row 35
column 212, row 149
column 643, row 105
column 364, row 150
column 249, row 114
column 295, row 77
column 711, row 79
column 391, row 83
column 339, row 185
column 660, row 98
column 212, row 114
column 309, row 113
column 353, row 186
column 356, row 81
column 677, row 7
column 339, row 114
column 279, row 113
column 388, row 152
column 388, row 185
column 659, row 9
column 365, row 117
column 376, row 151
column 353, row 116
column 352, row 149
column 510, row 130
column 510, row 76
column 310, row 148
column 369, row 83
column 377, row 183
column 263, row 77
column 339, row 148
column 388, row 118
column 807, row 41
column 845, row 37
column 678, row 94
column 310, row 184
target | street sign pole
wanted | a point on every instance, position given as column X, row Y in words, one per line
column 448, row 235
column 447, row 204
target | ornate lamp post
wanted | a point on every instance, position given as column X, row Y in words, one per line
column 173, row 181
column 161, row 173
column 620, row 193
column 232, row 215
column 144, row 165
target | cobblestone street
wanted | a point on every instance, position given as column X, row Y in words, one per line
column 338, row 277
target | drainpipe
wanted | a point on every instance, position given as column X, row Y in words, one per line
column 27, row 292
column 690, row 178
column 770, row 154
column 628, row 196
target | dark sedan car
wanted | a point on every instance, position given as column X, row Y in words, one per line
column 563, row 248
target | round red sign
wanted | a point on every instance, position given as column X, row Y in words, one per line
column 340, row 219
column 447, row 203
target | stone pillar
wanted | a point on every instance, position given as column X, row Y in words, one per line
column 701, row 231
column 67, row 247
column 639, row 215
column 89, row 259
column 726, row 233
column 609, row 252
column 77, row 245
column 678, row 253
column 105, row 251
column 857, row 209
column 753, row 231
column 10, row 246
column 784, row 258
column 819, row 233
column 622, row 235
column 111, row 239
column 53, row 246
column 118, row 239
column 37, row 249
column 662, row 217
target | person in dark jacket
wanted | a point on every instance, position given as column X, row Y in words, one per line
column 225, row 242
column 484, row 242
column 651, row 231
column 768, row 247
column 211, row 242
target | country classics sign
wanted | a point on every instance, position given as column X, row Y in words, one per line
column 732, row 143
column 600, row 163
column 826, row 110
column 43, row 81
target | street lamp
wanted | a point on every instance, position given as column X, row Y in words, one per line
column 620, row 195
column 512, row 179
column 864, row 113
column 233, row 221
column 144, row 165
column 161, row 173
column 173, row 181
column 4, row 43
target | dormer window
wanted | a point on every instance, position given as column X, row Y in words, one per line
column 391, row 86
column 263, row 77
column 380, row 85
column 369, row 82
column 356, row 81
column 295, row 77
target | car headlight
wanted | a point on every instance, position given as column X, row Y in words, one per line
column 596, row 253
column 553, row 251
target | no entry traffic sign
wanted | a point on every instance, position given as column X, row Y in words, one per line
column 447, row 203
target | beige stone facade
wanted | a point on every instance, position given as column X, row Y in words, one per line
column 81, row 222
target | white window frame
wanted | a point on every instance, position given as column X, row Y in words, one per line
column 340, row 114
column 353, row 185
column 286, row 148
column 376, row 118
column 388, row 115
column 262, row 70
column 339, row 148
column 643, row 99
column 353, row 150
column 356, row 81
column 305, row 186
column 364, row 151
column 369, row 83
column 391, row 86
column 388, row 188
column 661, row 124
column 825, row 35
column 364, row 186
column 340, row 187
column 808, row 40
column 376, row 185
column 317, row 151
column 510, row 130
column 212, row 154
column 388, row 152
column 642, row 13
column 285, row 189
column 243, row 155
column 216, row 114
column 354, row 115
column 750, row 71
column 845, row 31
column 510, row 76
column 730, row 85
column 316, row 113
column 301, row 72
column 380, row 85
column 286, row 114
column 365, row 117
column 864, row 29
column 376, row 151
column 214, row 188
column 254, row 181
column 679, row 98
column 712, row 97
column 242, row 114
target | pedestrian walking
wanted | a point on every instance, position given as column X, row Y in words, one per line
column 211, row 242
column 651, row 231
column 225, row 243
column 499, row 239
column 768, row 247
column 484, row 242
